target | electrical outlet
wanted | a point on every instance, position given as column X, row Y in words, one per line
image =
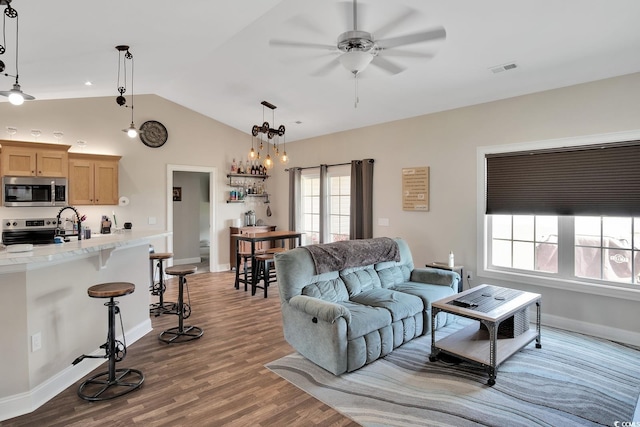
column 36, row 342
column 469, row 275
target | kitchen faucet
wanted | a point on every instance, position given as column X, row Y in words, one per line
column 77, row 216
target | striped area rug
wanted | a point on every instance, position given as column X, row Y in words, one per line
column 573, row 380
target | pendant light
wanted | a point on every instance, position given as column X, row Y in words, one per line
column 258, row 130
column 284, row 159
column 123, row 56
column 16, row 95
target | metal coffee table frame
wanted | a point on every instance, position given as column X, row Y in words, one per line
column 470, row 343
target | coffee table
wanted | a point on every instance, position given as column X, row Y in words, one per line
column 501, row 326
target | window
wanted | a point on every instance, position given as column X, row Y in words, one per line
column 562, row 213
column 311, row 208
column 333, row 225
column 599, row 248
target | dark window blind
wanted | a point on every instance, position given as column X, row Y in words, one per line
column 599, row 180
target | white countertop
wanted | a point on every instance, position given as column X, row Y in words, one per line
column 74, row 248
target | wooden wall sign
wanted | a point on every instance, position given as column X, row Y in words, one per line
column 415, row 189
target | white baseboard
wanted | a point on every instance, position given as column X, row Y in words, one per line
column 193, row 260
column 23, row 403
column 600, row 331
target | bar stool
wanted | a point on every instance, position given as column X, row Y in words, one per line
column 263, row 270
column 246, row 270
column 114, row 382
column 181, row 333
column 158, row 288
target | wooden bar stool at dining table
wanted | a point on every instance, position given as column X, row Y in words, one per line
column 265, row 270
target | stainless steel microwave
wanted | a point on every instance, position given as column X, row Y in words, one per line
column 34, row 191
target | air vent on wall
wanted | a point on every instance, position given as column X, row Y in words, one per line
column 503, row 67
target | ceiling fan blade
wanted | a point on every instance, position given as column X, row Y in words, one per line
column 396, row 23
column 388, row 66
column 288, row 43
column 405, row 53
column 435, row 34
column 327, row 68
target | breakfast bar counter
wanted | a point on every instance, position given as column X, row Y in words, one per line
column 49, row 320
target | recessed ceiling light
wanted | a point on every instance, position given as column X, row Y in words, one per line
column 298, row 122
column 88, row 83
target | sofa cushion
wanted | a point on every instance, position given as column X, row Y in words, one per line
column 427, row 293
column 399, row 304
column 329, row 288
column 391, row 275
column 365, row 319
column 359, row 279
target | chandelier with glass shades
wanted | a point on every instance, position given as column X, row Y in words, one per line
column 273, row 139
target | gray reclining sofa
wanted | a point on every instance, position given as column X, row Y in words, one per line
column 346, row 304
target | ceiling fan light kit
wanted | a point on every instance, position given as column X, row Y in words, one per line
column 16, row 95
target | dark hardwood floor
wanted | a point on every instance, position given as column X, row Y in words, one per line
column 219, row 379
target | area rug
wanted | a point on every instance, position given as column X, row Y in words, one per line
column 573, row 380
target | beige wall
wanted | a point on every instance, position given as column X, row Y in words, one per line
column 447, row 142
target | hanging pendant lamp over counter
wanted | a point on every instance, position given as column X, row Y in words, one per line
column 16, row 95
column 123, row 56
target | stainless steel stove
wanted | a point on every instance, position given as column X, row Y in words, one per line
column 36, row 231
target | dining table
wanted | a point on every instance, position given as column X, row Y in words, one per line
column 281, row 236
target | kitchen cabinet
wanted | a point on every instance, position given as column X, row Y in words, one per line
column 34, row 159
column 246, row 186
column 93, row 179
column 246, row 246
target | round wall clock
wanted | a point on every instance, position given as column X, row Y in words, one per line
column 153, row 134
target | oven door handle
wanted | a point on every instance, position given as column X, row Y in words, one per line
column 53, row 192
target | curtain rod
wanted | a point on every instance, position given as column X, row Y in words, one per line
column 335, row 164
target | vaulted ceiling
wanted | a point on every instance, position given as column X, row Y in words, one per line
column 214, row 56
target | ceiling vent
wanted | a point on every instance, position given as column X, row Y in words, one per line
column 504, row 67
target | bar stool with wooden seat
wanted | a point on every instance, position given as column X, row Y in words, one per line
column 158, row 288
column 245, row 276
column 114, row 382
column 263, row 270
column 181, row 333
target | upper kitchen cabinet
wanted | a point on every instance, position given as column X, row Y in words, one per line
column 34, row 159
column 93, row 179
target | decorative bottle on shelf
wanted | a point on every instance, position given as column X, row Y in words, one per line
column 254, row 171
column 240, row 167
column 234, row 166
column 261, row 170
column 451, row 260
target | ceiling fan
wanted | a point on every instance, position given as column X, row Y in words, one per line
column 357, row 48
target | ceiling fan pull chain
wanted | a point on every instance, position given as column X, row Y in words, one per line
column 357, row 98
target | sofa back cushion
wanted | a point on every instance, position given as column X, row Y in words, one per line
column 328, row 287
column 359, row 279
column 296, row 275
column 392, row 273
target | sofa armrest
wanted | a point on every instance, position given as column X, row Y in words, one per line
column 434, row 276
column 321, row 309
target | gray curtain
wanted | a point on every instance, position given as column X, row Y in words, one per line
column 361, row 199
column 294, row 199
column 324, row 205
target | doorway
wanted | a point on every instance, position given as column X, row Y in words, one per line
column 190, row 215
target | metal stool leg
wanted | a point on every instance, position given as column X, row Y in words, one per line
column 181, row 333
column 114, row 382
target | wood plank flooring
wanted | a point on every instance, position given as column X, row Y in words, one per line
column 219, row 379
